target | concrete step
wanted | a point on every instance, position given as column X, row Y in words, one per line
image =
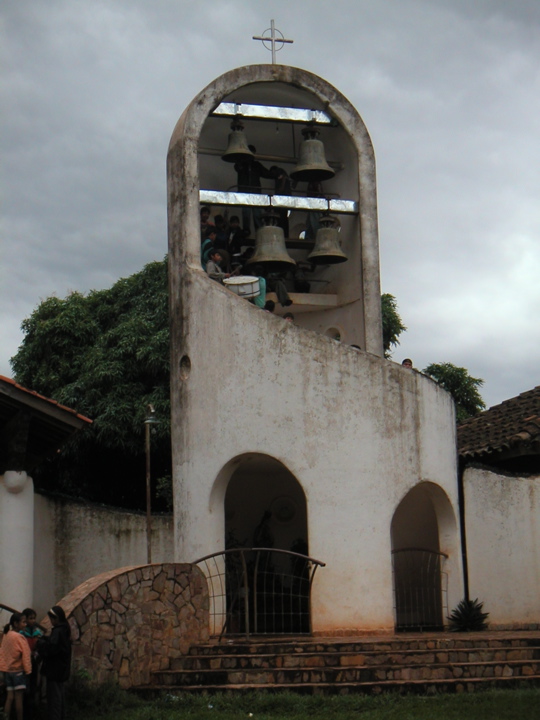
column 266, row 647
column 420, row 687
column 354, row 658
column 351, row 674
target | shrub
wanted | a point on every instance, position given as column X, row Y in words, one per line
column 468, row 617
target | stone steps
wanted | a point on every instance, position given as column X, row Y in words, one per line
column 347, row 659
column 444, row 642
column 350, row 674
column 434, row 663
column 405, row 687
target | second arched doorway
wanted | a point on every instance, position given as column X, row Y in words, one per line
column 419, row 563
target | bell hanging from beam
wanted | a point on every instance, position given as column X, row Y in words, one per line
column 270, row 249
column 312, row 165
column 237, row 147
column 327, row 249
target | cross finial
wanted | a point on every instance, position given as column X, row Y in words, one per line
column 270, row 41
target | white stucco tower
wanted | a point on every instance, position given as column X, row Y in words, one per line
column 353, row 455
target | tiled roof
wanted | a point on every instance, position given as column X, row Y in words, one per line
column 32, row 426
column 512, row 425
column 10, row 382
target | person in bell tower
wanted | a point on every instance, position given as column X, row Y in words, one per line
column 250, row 172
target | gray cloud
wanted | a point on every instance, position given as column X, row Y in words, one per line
column 92, row 90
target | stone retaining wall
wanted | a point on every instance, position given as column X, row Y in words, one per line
column 128, row 623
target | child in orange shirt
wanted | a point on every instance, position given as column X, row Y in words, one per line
column 15, row 663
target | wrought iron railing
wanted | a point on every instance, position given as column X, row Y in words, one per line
column 259, row 591
column 420, row 589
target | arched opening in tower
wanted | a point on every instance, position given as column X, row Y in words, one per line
column 268, row 578
column 420, row 580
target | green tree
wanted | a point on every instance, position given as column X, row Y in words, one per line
column 392, row 324
column 462, row 386
column 106, row 354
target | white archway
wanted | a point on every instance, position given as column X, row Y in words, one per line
column 265, row 506
column 424, row 554
column 262, row 581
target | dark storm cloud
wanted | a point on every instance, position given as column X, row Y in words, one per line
column 449, row 90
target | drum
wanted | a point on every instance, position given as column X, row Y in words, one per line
column 244, row 286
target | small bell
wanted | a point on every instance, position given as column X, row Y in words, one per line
column 270, row 248
column 312, row 165
column 327, row 249
column 237, row 147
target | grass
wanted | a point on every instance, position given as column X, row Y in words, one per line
column 110, row 703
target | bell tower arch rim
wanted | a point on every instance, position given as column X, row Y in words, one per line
column 191, row 122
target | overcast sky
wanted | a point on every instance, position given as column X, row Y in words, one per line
column 449, row 91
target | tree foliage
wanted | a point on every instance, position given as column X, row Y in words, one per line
column 106, row 354
column 462, row 386
column 392, row 323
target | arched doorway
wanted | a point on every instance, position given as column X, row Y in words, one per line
column 261, row 583
column 265, row 506
column 419, row 563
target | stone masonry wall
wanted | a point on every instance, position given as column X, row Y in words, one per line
column 128, row 623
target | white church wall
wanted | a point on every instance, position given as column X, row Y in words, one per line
column 503, row 539
column 75, row 541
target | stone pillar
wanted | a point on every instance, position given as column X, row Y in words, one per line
column 16, row 539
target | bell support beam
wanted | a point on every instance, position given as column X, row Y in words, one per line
column 220, row 197
column 272, row 112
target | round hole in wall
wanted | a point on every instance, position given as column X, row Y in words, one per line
column 334, row 333
column 185, row 367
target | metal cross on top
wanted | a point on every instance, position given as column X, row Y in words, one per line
column 270, row 41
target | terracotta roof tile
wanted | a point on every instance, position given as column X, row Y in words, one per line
column 514, row 422
column 10, row 381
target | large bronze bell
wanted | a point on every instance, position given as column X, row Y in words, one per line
column 327, row 249
column 270, row 249
column 312, row 165
column 237, row 147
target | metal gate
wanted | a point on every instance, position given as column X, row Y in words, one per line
column 259, row 591
column 420, row 589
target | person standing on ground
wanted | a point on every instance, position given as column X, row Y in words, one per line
column 15, row 663
column 32, row 634
column 56, row 653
